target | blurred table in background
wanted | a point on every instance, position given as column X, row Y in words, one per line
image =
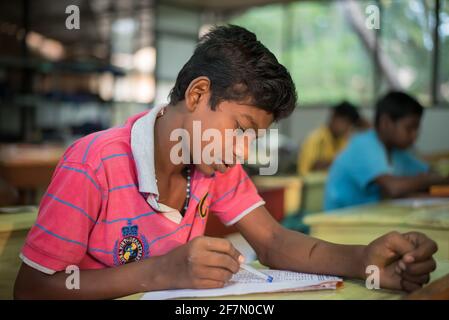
column 439, row 191
column 439, row 162
column 313, row 192
column 274, row 202
column 362, row 224
column 14, row 227
column 282, row 196
column 29, row 168
column 293, row 190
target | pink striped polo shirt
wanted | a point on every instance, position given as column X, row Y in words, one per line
column 93, row 214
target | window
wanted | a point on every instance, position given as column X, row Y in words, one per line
column 444, row 52
column 314, row 40
column 266, row 23
column 326, row 47
column 327, row 60
column 407, row 42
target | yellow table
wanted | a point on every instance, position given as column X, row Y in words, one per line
column 292, row 184
column 313, row 191
column 362, row 224
column 351, row 290
column 13, row 230
column 29, row 166
column 301, row 192
column 438, row 161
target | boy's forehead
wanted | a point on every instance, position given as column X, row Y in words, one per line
column 410, row 119
column 261, row 117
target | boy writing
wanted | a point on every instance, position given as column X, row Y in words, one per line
column 133, row 221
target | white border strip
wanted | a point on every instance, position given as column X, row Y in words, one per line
column 35, row 265
column 245, row 212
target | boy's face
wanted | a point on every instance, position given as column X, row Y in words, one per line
column 403, row 132
column 227, row 116
column 339, row 126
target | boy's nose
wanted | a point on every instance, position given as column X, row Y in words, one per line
column 241, row 151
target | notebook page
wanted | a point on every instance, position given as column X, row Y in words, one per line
column 245, row 282
column 244, row 276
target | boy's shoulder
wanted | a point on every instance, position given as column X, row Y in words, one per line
column 361, row 144
column 316, row 137
column 91, row 149
column 365, row 139
column 319, row 133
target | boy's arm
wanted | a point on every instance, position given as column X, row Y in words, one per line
column 202, row 263
column 396, row 186
column 321, row 165
column 280, row 248
column 106, row 283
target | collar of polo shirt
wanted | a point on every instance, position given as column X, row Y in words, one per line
column 142, row 146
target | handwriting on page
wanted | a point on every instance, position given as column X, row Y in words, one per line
column 244, row 282
column 244, row 276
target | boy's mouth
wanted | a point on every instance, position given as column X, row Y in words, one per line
column 222, row 167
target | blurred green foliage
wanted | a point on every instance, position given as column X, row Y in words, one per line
column 328, row 60
column 444, row 52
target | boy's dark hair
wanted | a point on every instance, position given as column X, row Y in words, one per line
column 240, row 68
column 347, row 110
column 397, row 105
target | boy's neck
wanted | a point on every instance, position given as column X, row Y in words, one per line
column 332, row 133
column 384, row 140
column 164, row 125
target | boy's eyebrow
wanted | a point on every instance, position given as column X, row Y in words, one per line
column 254, row 124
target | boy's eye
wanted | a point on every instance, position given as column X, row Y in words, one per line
column 239, row 127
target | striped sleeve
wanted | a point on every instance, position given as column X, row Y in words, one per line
column 234, row 196
column 67, row 212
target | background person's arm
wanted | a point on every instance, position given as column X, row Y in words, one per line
column 320, row 165
column 400, row 186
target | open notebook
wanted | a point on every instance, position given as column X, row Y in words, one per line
column 245, row 282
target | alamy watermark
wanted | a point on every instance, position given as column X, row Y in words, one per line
column 73, row 20
column 73, row 280
column 372, row 20
column 373, row 279
column 212, row 147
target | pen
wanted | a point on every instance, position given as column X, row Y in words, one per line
column 256, row 273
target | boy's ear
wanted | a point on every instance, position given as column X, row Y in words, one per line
column 196, row 92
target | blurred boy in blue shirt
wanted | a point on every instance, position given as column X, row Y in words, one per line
column 376, row 163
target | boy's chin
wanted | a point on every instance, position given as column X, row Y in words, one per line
column 207, row 170
column 211, row 169
column 404, row 146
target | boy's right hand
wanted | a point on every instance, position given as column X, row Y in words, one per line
column 202, row 263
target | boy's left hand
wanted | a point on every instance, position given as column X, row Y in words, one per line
column 404, row 260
